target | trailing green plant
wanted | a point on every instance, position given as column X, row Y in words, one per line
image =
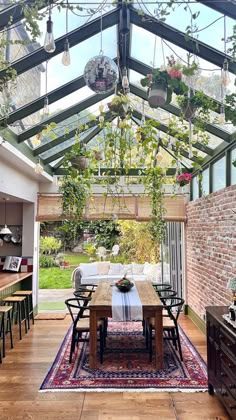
column 230, row 108
column 196, row 102
column 75, row 192
column 153, row 182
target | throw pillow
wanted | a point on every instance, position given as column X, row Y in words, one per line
column 155, row 272
column 147, row 268
column 137, row 268
column 89, row 269
column 115, row 268
column 103, row 267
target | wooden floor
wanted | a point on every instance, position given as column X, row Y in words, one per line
column 24, row 368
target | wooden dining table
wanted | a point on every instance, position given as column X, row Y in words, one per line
column 101, row 307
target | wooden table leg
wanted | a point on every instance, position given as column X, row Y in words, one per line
column 158, row 339
column 93, row 340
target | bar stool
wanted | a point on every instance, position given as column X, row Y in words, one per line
column 19, row 310
column 29, row 304
column 6, row 326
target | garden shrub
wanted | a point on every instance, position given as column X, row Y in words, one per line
column 49, row 245
column 46, row 262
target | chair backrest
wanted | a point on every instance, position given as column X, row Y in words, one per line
column 85, row 289
column 174, row 308
column 80, row 303
column 115, row 250
column 101, row 251
column 162, row 287
column 166, row 296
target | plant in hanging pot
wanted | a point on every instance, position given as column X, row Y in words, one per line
column 120, row 106
column 161, row 84
column 78, row 157
column 183, row 179
column 195, row 102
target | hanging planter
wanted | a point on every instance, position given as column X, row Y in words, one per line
column 183, row 179
column 189, row 111
column 98, row 155
column 157, row 95
column 79, row 162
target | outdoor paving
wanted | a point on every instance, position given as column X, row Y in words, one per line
column 53, row 300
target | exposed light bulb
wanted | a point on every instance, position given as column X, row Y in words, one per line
column 38, row 169
column 46, row 107
column 49, row 43
column 37, row 140
column 159, row 157
column 66, row 54
column 125, row 80
column 225, row 77
column 221, row 118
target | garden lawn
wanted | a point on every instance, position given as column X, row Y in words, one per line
column 58, row 278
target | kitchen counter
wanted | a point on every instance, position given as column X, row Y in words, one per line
column 9, row 279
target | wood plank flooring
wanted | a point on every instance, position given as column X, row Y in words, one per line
column 24, row 368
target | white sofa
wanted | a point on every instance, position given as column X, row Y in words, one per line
column 93, row 273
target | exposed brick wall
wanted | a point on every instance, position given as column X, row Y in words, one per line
column 210, row 249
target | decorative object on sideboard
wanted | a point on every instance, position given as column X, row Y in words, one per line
column 231, row 316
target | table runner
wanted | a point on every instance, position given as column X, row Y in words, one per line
column 126, row 306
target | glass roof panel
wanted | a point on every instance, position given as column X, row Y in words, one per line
column 208, row 26
column 76, row 18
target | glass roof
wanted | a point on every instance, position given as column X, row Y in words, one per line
column 208, row 26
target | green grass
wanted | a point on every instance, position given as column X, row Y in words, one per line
column 57, row 278
column 45, row 306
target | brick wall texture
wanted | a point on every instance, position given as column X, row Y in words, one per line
column 210, row 249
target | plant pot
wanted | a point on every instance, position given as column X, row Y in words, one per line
column 183, row 183
column 157, row 96
column 80, row 162
column 189, row 111
column 98, row 155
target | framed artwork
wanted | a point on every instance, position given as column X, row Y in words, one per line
column 12, row 263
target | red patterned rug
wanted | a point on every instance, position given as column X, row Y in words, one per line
column 126, row 365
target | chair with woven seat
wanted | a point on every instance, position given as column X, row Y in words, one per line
column 80, row 329
column 170, row 325
column 29, row 304
column 5, row 326
column 18, row 311
column 85, row 289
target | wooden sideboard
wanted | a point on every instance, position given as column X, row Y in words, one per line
column 221, row 358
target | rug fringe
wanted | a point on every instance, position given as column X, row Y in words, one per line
column 125, row 390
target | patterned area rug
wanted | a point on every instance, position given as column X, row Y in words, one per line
column 126, row 365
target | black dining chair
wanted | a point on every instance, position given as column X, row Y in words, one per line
column 170, row 324
column 77, row 308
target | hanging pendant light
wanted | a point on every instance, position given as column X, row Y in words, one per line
column 225, row 77
column 38, row 169
column 49, row 43
column 66, row 54
column 125, row 80
column 5, row 230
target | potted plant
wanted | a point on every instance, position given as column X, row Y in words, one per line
column 78, row 157
column 183, row 179
column 120, row 106
column 189, row 104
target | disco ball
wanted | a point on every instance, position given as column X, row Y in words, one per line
column 101, row 74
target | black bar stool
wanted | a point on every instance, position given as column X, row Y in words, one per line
column 6, row 326
column 29, row 304
column 19, row 310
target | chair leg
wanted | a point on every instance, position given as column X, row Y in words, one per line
column 101, row 339
column 150, row 343
column 179, row 344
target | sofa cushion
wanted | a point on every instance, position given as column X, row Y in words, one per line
column 155, row 273
column 136, row 277
column 89, row 269
column 116, row 268
column 103, row 267
column 137, row 268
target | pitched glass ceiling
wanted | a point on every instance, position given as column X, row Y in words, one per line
column 208, row 27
